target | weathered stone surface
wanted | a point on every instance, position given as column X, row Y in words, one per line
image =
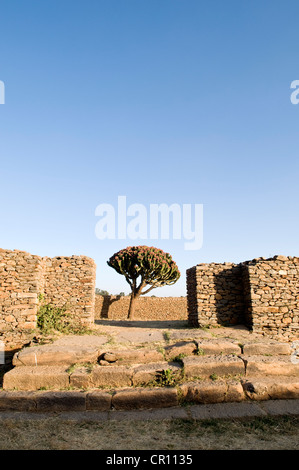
column 111, row 376
column 212, row 391
column 64, row 351
column 17, row 401
column 205, row 366
column 81, row 378
column 267, row 388
column 218, row 346
column 98, row 401
column 144, row 398
column 182, row 347
column 61, row 401
column 148, row 373
column 53, row 355
column 273, row 347
column 129, row 356
column 35, row 378
column 270, row 365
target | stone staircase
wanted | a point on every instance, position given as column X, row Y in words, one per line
column 93, row 373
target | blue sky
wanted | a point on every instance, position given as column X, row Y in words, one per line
column 163, row 101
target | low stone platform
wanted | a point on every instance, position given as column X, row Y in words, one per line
column 126, row 367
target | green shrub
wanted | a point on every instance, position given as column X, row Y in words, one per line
column 51, row 318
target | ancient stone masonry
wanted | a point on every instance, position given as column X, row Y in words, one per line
column 272, row 295
column 262, row 294
column 25, row 278
column 215, row 294
column 147, row 308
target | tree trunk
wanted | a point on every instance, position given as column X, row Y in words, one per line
column 132, row 307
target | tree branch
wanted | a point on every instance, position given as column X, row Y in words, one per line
column 146, row 291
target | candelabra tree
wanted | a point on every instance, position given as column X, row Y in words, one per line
column 144, row 268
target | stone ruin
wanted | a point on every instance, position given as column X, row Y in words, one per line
column 262, row 294
column 60, row 281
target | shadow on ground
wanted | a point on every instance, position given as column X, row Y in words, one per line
column 158, row 324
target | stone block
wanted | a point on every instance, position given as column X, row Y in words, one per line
column 208, row 391
column 206, row 366
column 182, row 347
column 143, row 398
column 130, row 356
column 272, row 347
column 145, row 374
column 270, row 365
column 111, row 376
column 219, row 346
column 61, row 401
column 98, row 401
column 17, row 401
column 35, row 378
column 267, row 388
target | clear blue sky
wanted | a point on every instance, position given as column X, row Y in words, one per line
column 164, row 101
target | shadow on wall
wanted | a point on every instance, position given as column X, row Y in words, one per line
column 147, row 308
column 107, row 302
column 229, row 296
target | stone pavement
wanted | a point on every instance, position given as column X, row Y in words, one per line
column 126, row 366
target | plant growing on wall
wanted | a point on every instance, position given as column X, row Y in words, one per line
column 144, row 269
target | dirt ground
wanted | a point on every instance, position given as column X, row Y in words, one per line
column 54, row 433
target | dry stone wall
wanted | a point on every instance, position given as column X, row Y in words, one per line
column 61, row 280
column 147, row 308
column 70, row 282
column 272, row 295
column 216, row 291
column 262, row 294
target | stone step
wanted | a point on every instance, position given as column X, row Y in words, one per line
column 163, row 373
column 36, row 378
column 271, row 388
column 202, row 347
column 213, row 365
column 130, row 356
column 270, row 365
column 65, row 351
column 71, row 350
column 267, row 347
column 196, row 392
column 259, row 388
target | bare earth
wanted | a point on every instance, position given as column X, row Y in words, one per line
column 57, row 433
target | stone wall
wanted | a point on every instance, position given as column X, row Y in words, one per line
column 147, row 308
column 272, row 295
column 262, row 294
column 20, row 283
column 215, row 294
column 70, row 281
column 61, row 280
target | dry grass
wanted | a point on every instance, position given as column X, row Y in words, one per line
column 269, row 433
